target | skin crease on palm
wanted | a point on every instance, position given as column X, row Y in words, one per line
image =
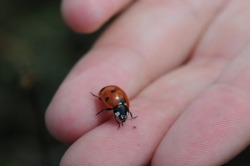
column 185, row 67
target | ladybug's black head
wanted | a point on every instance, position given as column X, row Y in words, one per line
column 121, row 111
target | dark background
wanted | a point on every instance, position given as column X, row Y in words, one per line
column 36, row 52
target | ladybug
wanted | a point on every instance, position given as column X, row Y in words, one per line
column 114, row 98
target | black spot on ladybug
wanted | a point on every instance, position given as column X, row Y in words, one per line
column 102, row 89
column 113, row 90
column 107, row 99
column 122, row 100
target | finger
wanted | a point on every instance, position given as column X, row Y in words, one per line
column 157, row 107
column 216, row 127
column 129, row 57
column 89, row 15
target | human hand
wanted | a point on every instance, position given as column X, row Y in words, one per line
column 185, row 67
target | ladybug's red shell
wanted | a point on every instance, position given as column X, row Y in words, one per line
column 113, row 96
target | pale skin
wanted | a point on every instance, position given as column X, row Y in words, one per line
column 185, row 65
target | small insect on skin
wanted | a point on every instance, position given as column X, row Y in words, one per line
column 114, row 98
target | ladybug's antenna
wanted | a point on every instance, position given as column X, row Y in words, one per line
column 95, row 96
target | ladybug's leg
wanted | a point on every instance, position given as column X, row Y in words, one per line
column 107, row 109
column 95, row 96
column 132, row 115
column 118, row 123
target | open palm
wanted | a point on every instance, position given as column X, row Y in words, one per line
column 185, row 67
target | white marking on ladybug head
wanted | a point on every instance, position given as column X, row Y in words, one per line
column 117, row 114
column 123, row 118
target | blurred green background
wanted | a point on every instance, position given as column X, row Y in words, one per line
column 36, row 52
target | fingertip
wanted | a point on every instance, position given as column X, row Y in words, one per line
column 50, row 125
column 83, row 16
column 62, row 117
column 71, row 112
column 55, row 125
